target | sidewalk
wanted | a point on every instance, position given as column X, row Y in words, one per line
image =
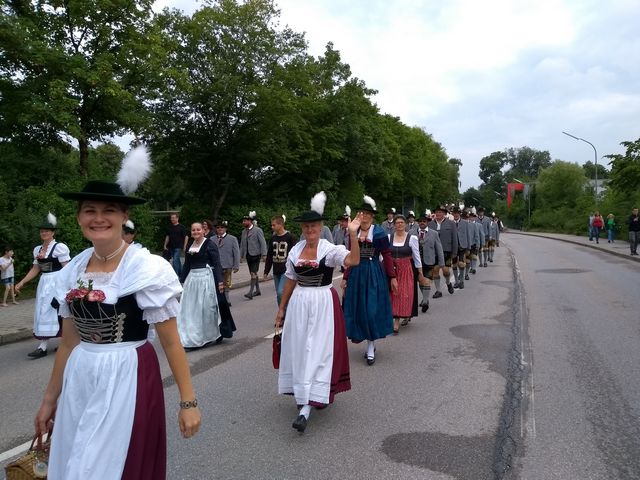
column 16, row 321
column 619, row 248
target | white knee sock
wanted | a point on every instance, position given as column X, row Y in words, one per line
column 43, row 345
column 371, row 348
column 305, row 411
column 437, row 281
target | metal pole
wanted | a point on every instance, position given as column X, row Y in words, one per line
column 595, row 152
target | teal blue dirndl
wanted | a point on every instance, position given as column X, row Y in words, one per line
column 367, row 303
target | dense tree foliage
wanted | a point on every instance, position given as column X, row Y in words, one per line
column 238, row 116
column 73, row 69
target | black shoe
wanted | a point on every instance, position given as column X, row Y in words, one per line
column 37, row 353
column 371, row 360
column 257, row 294
column 485, row 264
column 450, row 288
column 473, row 270
column 466, row 277
column 491, row 260
column 461, row 285
column 300, row 423
column 437, row 295
column 425, row 307
column 249, row 296
column 456, row 285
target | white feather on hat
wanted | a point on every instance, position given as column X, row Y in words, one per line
column 129, row 224
column 252, row 214
column 461, row 206
column 393, row 209
column 284, row 218
column 318, row 202
column 411, row 213
column 347, row 210
column 51, row 218
column 135, row 169
column 473, row 210
column 427, row 212
column 370, row 201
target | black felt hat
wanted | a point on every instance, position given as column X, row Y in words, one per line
column 442, row 208
column 316, row 213
column 368, row 205
column 222, row 223
column 49, row 222
column 103, row 192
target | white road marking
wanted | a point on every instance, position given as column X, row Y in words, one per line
column 14, row 451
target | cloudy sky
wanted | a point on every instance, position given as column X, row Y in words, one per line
column 482, row 76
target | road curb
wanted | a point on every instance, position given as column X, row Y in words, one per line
column 18, row 336
column 566, row 240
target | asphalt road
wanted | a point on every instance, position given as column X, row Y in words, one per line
column 582, row 415
column 526, row 373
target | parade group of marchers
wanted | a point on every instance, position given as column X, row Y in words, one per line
column 105, row 392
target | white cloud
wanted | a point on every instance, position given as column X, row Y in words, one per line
column 487, row 75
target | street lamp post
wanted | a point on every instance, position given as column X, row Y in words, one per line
column 595, row 152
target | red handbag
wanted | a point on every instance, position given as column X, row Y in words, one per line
column 277, row 345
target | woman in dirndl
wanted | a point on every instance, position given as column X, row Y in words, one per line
column 48, row 259
column 106, row 390
column 201, row 306
column 367, row 306
column 405, row 252
column 314, row 361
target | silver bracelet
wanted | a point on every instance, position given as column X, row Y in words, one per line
column 189, row 404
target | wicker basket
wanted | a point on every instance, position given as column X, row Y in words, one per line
column 31, row 465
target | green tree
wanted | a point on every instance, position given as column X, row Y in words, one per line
column 74, row 69
column 560, row 185
column 590, row 170
column 625, row 170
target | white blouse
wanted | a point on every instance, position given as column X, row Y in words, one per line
column 149, row 277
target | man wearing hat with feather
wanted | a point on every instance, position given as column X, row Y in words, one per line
column 105, row 389
column 229, row 251
column 48, row 259
column 253, row 247
column 340, row 231
column 367, row 303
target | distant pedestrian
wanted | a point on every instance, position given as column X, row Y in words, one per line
column 598, row 224
column 229, row 251
column 280, row 245
column 590, row 226
column 634, row 230
column 6, row 275
column 207, row 227
column 611, row 228
column 340, row 231
column 48, row 259
column 176, row 242
column 253, row 247
column 129, row 233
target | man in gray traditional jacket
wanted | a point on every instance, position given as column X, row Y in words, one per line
column 431, row 255
column 253, row 247
column 229, row 251
column 465, row 237
column 449, row 240
column 485, row 222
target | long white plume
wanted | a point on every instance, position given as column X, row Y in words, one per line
column 427, row 212
column 135, row 169
column 51, row 218
column 252, row 214
column 393, row 209
column 347, row 210
column 411, row 213
column 318, row 202
column 129, row 224
column 284, row 218
column 370, row 201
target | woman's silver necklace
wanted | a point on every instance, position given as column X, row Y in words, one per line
column 111, row 255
